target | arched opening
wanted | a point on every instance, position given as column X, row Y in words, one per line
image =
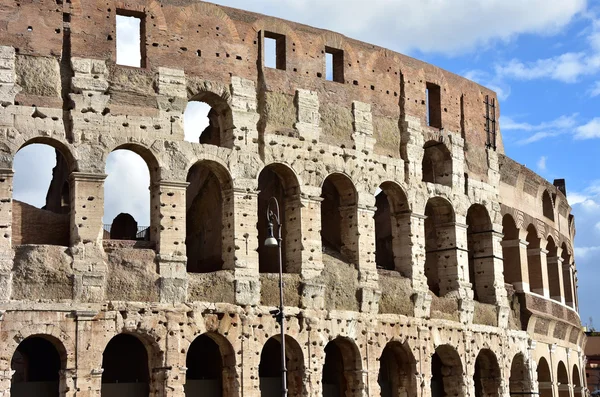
column 437, row 163
column 125, row 368
column 511, row 253
column 210, row 367
column 208, row 120
column 567, row 276
column 554, row 270
column 339, row 230
column 439, row 240
column 280, row 182
column 41, row 196
column 37, row 364
column 534, row 262
column 269, row 370
column 547, row 205
column 342, row 372
column 481, row 254
column 390, row 217
column 562, row 377
column 209, row 230
column 126, row 197
column 397, row 369
column 446, row 373
column 578, row 391
column 520, row 380
column 487, row 375
column 544, row 378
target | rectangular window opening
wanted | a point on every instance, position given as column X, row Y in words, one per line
column 334, row 64
column 131, row 46
column 274, row 51
column 434, row 105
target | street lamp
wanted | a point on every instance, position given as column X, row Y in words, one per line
column 272, row 242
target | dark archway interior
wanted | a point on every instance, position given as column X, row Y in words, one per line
column 334, row 381
column 384, row 252
column 204, row 364
column 330, row 217
column 520, row 381
column 447, row 374
column 511, row 254
column 37, row 364
column 438, row 212
column 125, row 364
column 547, row 206
column 437, row 164
column 397, row 367
column 544, row 378
column 487, row 375
column 271, row 185
column 269, row 370
column 479, row 244
column 437, row 378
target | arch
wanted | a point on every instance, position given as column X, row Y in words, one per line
column 269, row 369
column 520, row 379
column 41, row 204
column 125, row 367
column 440, row 216
column 391, row 241
column 513, row 270
column 342, row 370
column 279, row 181
column 547, row 205
column 562, row 377
column 567, row 275
column 480, row 245
column 554, row 270
column 534, row 262
column 487, row 374
column 544, row 378
column 209, row 212
column 61, row 147
column 397, row 369
column 210, row 363
column 446, row 373
column 219, row 131
column 437, row 163
column 37, row 362
column 339, row 229
column 578, row 390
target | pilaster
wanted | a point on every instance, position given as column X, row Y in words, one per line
column 308, row 117
column 245, row 117
column 6, row 249
column 363, row 127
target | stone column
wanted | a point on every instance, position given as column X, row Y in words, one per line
column 536, row 259
column 363, row 127
column 5, row 382
column 168, row 233
column 8, row 87
column 87, row 209
column 368, row 279
column 515, row 264
column 567, row 272
column 6, row 249
column 408, row 244
column 86, row 383
column 308, row 116
column 245, row 204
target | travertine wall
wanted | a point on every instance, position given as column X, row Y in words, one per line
column 483, row 283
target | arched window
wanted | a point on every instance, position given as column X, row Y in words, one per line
column 520, row 380
column 534, row 263
column 269, row 370
column 547, row 205
column 339, row 229
column 511, row 253
column 578, row 391
column 397, row 369
column 390, row 239
column 554, row 271
column 440, row 215
column 562, row 376
column 41, row 196
column 210, row 363
column 567, row 276
column 127, row 197
column 280, row 182
column 37, row 364
column 446, row 373
column 544, row 378
column 209, row 230
column 342, row 368
column 125, row 368
column 487, row 375
column 208, row 120
column 437, row 163
column 481, row 254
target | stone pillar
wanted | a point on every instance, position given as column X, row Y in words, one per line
column 5, row 382
column 168, row 233
column 312, row 249
column 567, row 272
column 172, row 99
column 8, row 87
column 408, row 244
column 368, row 278
column 87, row 208
column 6, row 249
column 245, row 204
column 245, row 116
column 536, row 259
column 555, row 266
column 515, row 264
column 86, row 381
column 363, row 127
column 308, row 116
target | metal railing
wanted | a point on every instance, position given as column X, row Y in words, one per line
column 142, row 234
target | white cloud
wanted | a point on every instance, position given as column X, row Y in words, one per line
column 541, row 164
column 595, row 90
column 584, row 252
column 33, row 172
column 442, row 26
column 128, row 41
column 589, row 130
column 547, row 129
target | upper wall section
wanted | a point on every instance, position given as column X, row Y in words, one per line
column 214, row 43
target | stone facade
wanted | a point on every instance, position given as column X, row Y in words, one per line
column 418, row 258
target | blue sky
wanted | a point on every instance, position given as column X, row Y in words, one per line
column 542, row 57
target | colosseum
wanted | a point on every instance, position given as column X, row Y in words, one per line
column 418, row 260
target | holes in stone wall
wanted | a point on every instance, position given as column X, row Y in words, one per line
column 274, row 50
column 334, row 64
column 37, row 364
column 434, row 105
column 125, row 365
column 131, row 39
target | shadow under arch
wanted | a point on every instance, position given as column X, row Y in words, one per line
column 391, row 240
column 397, row 371
column 480, row 245
column 544, row 378
column 440, row 219
column 447, row 373
column 437, row 163
column 520, row 379
column 487, row 376
column 270, row 367
column 342, row 370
